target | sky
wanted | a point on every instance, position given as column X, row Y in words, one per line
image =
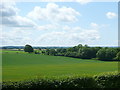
column 59, row 23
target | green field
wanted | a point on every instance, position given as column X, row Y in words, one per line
column 22, row 66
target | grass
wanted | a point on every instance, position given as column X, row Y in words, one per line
column 23, row 66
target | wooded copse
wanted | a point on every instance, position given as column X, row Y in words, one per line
column 80, row 51
column 86, row 52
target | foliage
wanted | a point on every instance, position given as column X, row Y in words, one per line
column 51, row 52
column 36, row 52
column 98, row 81
column 106, row 54
column 80, row 51
column 118, row 56
column 87, row 53
column 28, row 48
column 108, row 80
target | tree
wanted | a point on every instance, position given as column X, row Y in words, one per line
column 36, row 52
column 52, row 52
column 111, row 53
column 28, row 48
column 80, row 46
column 118, row 56
column 94, row 50
column 71, row 54
column 106, row 54
column 61, row 51
column 40, row 49
column 101, row 54
column 85, row 53
column 47, row 52
column 86, row 45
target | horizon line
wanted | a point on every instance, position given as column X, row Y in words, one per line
column 60, row 45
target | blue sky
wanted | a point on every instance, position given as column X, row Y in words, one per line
column 60, row 23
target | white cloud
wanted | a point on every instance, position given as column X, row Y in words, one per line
column 8, row 9
column 16, row 37
column 52, row 12
column 84, row 1
column 47, row 27
column 10, row 17
column 53, row 34
column 95, row 25
column 71, row 29
column 69, row 36
column 111, row 15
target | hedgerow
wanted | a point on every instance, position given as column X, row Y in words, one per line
column 97, row 81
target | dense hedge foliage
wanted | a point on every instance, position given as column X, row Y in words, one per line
column 98, row 81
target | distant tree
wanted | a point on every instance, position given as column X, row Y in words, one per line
column 43, row 51
column 111, row 53
column 106, row 54
column 36, row 52
column 39, row 48
column 61, row 51
column 80, row 46
column 118, row 56
column 28, row 48
column 118, row 49
column 101, row 54
column 52, row 52
column 4, row 47
column 70, row 49
column 68, row 54
column 85, row 53
column 47, row 51
column 76, row 48
column 94, row 50
column 86, row 45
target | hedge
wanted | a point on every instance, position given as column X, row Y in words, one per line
column 97, row 81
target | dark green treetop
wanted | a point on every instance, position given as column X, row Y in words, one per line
column 28, row 48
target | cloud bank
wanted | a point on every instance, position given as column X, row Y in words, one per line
column 21, row 30
column 53, row 13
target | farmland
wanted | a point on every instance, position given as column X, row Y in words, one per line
column 18, row 65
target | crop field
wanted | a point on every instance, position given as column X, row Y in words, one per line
column 18, row 65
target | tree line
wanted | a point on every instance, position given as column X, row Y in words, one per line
column 83, row 52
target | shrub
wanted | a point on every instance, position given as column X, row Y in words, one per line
column 108, row 81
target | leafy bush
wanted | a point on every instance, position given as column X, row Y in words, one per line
column 108, row 81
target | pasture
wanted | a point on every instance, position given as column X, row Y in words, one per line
column 18, row 65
